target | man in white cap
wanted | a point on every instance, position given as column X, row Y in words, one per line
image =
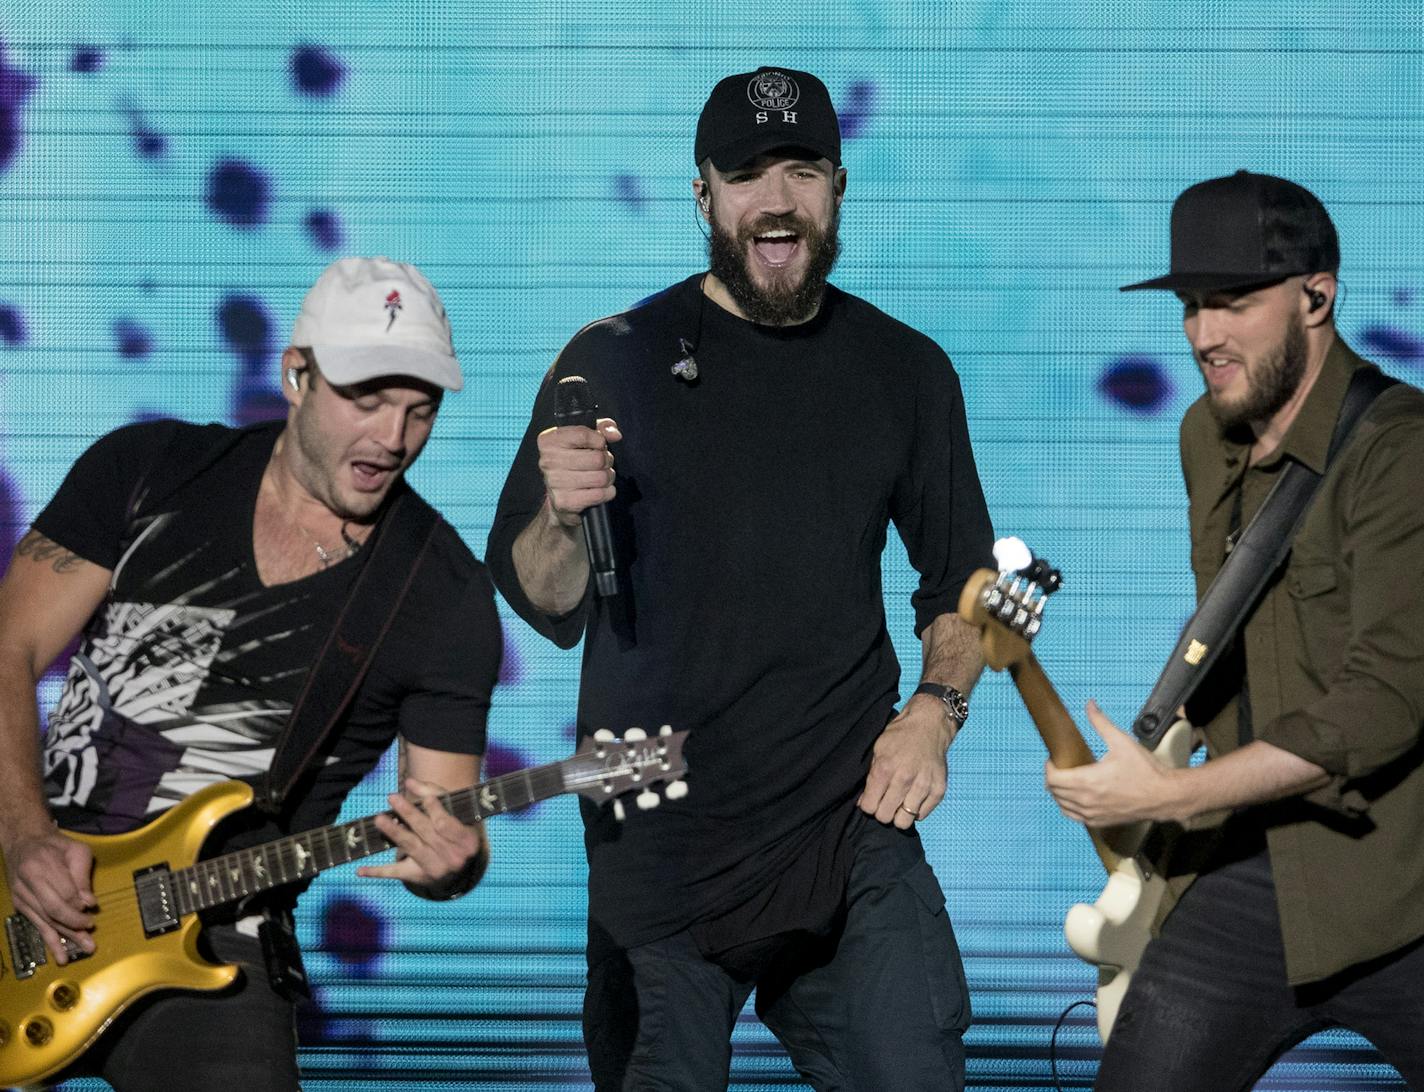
column 208, row 568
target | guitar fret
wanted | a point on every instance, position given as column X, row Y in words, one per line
column 180, row 892
column 321, row 847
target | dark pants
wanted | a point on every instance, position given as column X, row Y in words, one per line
column 243, row 1037
column 1210, row 1010
column 880, row 1005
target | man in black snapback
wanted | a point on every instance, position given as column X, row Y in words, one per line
column 769, row 428
column 1306, row 909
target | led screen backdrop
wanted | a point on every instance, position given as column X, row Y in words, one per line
column 172, row 177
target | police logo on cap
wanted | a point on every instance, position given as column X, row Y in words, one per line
column 773, row 91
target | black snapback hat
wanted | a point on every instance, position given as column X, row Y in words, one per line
column 754, row 112
column 1246, row 229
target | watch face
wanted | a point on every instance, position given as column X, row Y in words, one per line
column 957, row 704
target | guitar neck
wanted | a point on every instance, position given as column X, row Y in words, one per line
column 246, row 872
column 1066, row 747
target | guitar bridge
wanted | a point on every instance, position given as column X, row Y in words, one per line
column 154, row 887
column 27, row 950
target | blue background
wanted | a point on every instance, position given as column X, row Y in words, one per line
column 172, row 178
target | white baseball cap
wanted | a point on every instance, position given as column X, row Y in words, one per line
column 366, row 318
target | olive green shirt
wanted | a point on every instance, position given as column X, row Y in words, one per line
column 1334, row 659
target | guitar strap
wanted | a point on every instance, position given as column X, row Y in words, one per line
column 393, row 558
column 1253, row 561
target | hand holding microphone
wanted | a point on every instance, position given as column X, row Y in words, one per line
column 578, row 474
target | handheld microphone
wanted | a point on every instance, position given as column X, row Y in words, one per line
column 574, row 405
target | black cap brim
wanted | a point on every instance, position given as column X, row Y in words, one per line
column 1205, row 282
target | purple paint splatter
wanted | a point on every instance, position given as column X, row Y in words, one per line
column 501, row 760
column 147, row 143
column 150, row 144
column 12, row 325
column 628, row 188
column 247, row 328
column 15, row 88
column 857, row 109
column 1136, row 383
column 238, row 193
column 353, row 931
column 324, row 227
column 86, row 59
column 132, row 340
column 316, row 72
column 1395, row 343
column 511, row 665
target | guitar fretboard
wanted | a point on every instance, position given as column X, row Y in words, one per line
column 245, row 872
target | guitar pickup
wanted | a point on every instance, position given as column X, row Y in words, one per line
column 154, row 887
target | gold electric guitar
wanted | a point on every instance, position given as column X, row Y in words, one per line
column 150, row 885
column 1113, row 932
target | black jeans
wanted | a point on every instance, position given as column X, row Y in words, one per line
column 242, row 1037
column 879, row 1006
column 1209, row 1010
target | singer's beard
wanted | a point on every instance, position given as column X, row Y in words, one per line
column 782, row 300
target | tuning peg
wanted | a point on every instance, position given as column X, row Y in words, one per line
column 634, row 735
column 676, row 790
column 665, row 730
column 603, row 735
column 618, row 812
column 1010, row 554
column 647, row 800
column 1044, row 575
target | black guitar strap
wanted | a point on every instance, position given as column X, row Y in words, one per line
column 392, row 561
column 1254, row 560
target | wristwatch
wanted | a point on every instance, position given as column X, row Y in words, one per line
column 956, row 705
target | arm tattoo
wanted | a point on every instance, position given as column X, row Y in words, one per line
column 42, row 549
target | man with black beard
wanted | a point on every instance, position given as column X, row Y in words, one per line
column 1306, row 909
column 769, row 427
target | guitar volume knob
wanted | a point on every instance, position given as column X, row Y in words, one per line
column 64, row 996
column 38, row 1031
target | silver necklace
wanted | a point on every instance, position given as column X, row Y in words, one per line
column 349, row 546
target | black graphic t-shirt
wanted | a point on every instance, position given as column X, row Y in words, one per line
column 187, row 672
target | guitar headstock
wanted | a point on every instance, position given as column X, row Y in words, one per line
column 1007, row 606
column 606, row 767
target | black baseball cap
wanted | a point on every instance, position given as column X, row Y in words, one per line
column 754, row 112
column 1246, row 229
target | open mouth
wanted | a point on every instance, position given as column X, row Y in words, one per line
column 776, row 247
column 371, row 476
column 1219, row 369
